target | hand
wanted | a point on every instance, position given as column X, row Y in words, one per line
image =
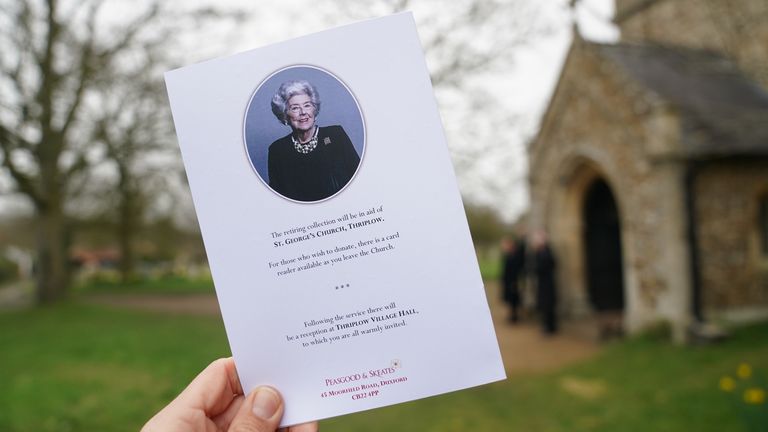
column 214, row 401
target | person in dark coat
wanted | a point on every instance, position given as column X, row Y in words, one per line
column 311, row 163
column 513, row 262
column 546, row 289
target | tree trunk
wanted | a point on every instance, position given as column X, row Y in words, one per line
column 52, row 270
column 128, row 217
column 127, row 225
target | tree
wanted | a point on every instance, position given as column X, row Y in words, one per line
column 58, row 57
column 475, row 36
column 486, row 226
column 137, row 136
column 469, row 48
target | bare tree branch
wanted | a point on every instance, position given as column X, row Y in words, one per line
column 85, row 69
column 62, row 64
column 131, row 32
column 48, row 76
column 23, row 37
column 8, row 143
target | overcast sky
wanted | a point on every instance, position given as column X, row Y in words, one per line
column 524, row 87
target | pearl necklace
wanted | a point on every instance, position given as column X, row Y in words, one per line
column 308, row 146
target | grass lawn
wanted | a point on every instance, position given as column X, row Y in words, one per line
column 160, row 285
column 84, row 368
column 77, row 368
column 490, row 268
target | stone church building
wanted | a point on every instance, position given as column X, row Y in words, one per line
column 650, row 170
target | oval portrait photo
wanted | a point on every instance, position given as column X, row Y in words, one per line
column 304, row 133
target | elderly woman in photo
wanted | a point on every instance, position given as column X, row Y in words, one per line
column 312, row 162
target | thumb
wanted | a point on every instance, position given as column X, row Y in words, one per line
column 261, row 412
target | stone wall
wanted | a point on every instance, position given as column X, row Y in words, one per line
column 734, row 272
column 602, row 124
column 735, row 28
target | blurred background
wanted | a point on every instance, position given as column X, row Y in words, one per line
column 612, row 156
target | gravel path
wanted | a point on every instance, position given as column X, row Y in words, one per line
column 15, row 296
column 525, row 349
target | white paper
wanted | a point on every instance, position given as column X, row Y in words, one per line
column 393, row 309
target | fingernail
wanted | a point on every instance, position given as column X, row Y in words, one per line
column 265, row 403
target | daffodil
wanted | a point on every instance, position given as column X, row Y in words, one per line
column 727, row 384
column 754, row 396
column 744, row 371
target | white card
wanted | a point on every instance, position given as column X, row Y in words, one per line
column 334, row 228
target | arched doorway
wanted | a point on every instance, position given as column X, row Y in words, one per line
column 603, row 256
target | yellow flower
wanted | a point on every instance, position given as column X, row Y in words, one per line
column 754, row 396
column 727, row 384
column 744, row 371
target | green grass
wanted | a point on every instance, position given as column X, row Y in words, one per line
column 160, row 285
column 490, row 269
column 638, row 385
column 78, row 368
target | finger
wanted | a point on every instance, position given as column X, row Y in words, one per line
column 261, row 412
column 224, row 419
column 213, row 389
column 305, row 427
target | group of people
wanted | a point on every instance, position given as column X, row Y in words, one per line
column 518, row 263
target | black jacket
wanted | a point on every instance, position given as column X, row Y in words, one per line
column 315, row 175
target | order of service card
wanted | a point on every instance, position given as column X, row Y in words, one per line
column 334, row 229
